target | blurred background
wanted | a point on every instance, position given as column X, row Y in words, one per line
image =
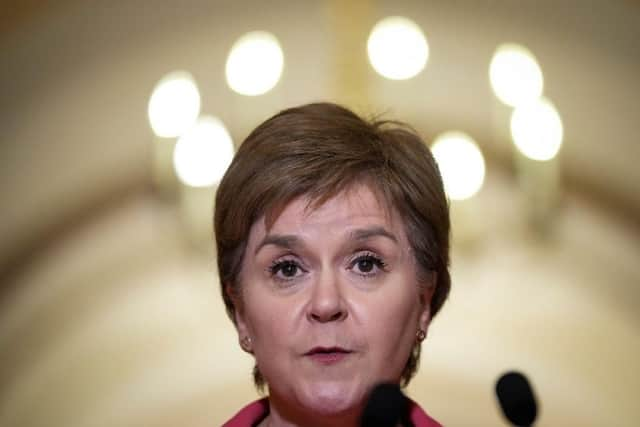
column 119, row 117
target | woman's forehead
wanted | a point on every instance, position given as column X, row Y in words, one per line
column 356, row 206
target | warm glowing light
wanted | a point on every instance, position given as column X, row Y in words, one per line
column 536, row 129
column 397, row 48
column 515, row 75
column 203, row 153
column 174, row 104
column 254, row 64
column 461, row 164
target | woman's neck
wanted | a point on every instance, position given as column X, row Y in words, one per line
column 284, row 415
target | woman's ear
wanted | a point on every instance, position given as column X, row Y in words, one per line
column 425, row 298
column 238, row 316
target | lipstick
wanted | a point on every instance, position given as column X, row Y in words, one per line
column 328, row 355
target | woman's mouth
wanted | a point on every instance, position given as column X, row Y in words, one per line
column 328, row 355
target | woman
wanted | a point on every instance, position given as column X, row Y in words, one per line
column 333, row 247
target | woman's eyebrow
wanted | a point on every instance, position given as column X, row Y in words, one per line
column 286, row 241
column 366, row 233
column 289, row 241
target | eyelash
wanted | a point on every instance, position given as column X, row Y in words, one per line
column 277, row 266
column 371, row 257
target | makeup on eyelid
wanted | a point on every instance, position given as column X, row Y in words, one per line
column 369, row 264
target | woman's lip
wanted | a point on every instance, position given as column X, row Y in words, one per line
column 326, row 350
column 328, row 356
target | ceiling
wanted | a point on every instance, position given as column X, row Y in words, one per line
column 77, row 78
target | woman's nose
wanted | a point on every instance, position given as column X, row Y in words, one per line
column 327, row 300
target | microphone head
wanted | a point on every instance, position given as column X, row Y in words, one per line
column 516, row 399
column 387, row 406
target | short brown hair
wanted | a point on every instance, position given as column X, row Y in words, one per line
column 318, row 150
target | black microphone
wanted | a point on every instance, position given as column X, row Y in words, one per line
column 516, row 399
column 387, row 406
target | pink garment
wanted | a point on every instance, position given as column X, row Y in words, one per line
column 253, row 413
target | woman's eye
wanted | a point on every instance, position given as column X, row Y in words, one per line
column 286, row 269
column 367, row 265
column 289, row 269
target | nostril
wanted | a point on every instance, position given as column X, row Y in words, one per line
column 329, row 316
column 337, row 316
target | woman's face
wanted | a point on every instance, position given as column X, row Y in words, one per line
column 330, row 301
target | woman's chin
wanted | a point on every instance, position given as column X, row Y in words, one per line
column 333, row 398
